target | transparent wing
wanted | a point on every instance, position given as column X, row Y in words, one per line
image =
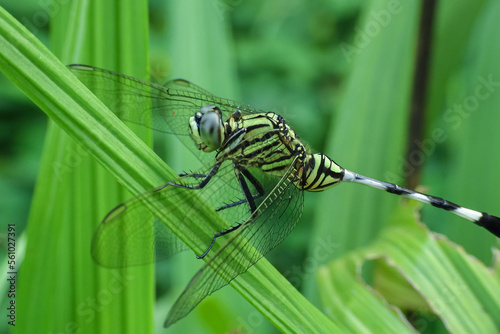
column 165, row 109
column 172, row 105
column 274, row 219
column 131, row 235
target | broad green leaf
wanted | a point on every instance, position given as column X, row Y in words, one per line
column 421, row 273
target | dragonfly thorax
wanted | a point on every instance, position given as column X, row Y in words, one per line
column 206, row 128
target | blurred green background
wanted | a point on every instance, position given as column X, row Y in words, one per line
column 341, row 74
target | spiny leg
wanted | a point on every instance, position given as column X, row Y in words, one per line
column 489, row 222
column 203, row 182
column 249, row 198
column 195, row 175
column 229, row 230
column 254, row 182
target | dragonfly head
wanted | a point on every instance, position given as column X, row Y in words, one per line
column 206, row 128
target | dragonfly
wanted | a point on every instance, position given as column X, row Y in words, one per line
column 256, row 169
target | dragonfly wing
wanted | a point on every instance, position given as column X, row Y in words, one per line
column 131, row 234
column 201, row 97
column 134, row 100
column 165, row 109
column 139, row 102
column 186, row 85
column 171, row 105
column 274, row 219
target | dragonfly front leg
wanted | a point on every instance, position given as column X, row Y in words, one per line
column 241, row 173
column 195, row 175
column 203, row 182
column 249, row 198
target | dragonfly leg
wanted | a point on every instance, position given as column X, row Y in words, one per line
column 229, row 230
column 241, row 173
column 254, row 182
column 203, row 183
column 249, row 198
column 195, row 175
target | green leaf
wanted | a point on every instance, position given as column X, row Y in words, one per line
column 73, row 192
column 427, row 273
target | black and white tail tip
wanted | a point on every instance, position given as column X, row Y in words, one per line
column 489, row 222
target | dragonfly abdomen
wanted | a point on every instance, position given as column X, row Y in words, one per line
column 321, row 173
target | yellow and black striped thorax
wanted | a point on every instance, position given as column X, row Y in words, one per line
column 265, row 141
column 261, row 140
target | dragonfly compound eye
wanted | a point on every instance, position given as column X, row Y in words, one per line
column 211, row 130
column 206, row 128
